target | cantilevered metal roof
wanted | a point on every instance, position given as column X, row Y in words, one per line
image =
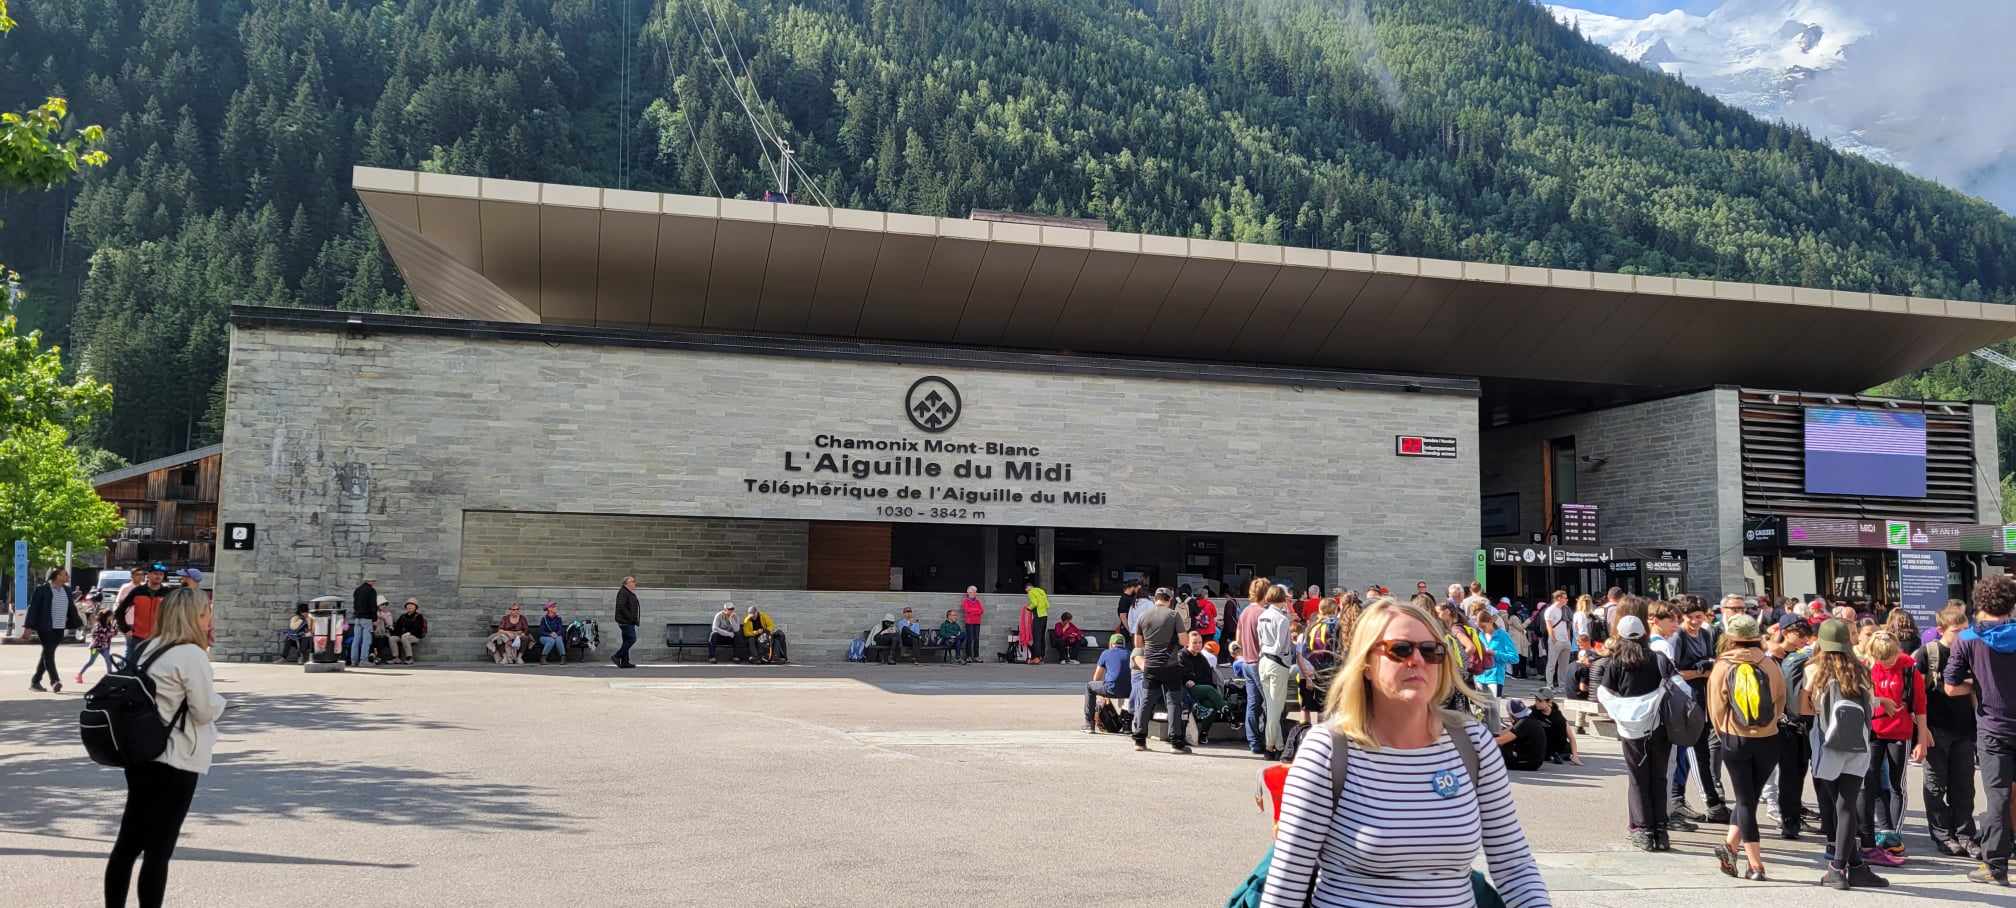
column 503, row 250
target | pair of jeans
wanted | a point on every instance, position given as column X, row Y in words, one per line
column 1645, row 763
column 1795, row 750
column 716, row 641
column 360, row 644
column 1749, row 761
column 106, row 651
column 629, row 632
column 1998, row 772
column 1039, row 642
column 133, row 642
column 1839, row 800
column 972, row 641
column 47, row 661
column 1949, row 787
column 1256, row 734
column 551, row 643
column 1164, row 689
column 157, row 801
column 1274, row 684
column 1883, row 789
column 1708, row 761
column 1094, row 692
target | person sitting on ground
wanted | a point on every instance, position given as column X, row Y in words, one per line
column 886, row 635
column 300, row 634
column 507, row 646
column 763, row 637
column 1111, row 680
column 552, row 634
column 1523, row 739
column 1561, row 744
column 409, row 628
column 1068, row 637
column 952, row 635
column 725, row 631
column 1200, row 684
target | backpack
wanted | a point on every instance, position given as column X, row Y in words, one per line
column 1108, row 717
column 119, row 725
column 1599, row 630
column 1681, row 715
column 1248, row 893
column 1748, row 691
column 1794, row 668
column 1847, row 728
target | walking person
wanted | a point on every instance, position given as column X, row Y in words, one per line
column 363, row 613
column 1631, row 685
column 1983, row 664
column 1039, row 622
column 158, row 793
column 1837, row 690
column 973, row 610
column 1158, row 638
column 1423, row 792
column 628, row 615
column 100, row 640
column 137, row 606
column 48, row 615
column 1949, row 762
column 1276, row 638
column 1745, row 694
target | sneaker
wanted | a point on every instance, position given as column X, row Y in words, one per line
column 1140, row 745
column 1985, row 874
column 1091, row 729
column 1677, row 824
column 1180, row 747
column 1681, row 810
column 1827, row 854
column 1718, row 815
column 1642, row 840
column 1860, row 875
column 1835, row 878
column 37, row 687
column 1789, row 833
column 1949, row 848
column 1881, row 858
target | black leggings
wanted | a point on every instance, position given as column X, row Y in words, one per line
column 157, row 799
column 1749, row 761
column 1645, row 762
column 1838, row 798
column 1883, row 810
column 47, row 661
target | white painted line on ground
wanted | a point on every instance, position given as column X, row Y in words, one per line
column 1037, row 738
column 901, row 687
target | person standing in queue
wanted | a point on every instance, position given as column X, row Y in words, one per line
column 1039, row 621
column 973, row 610
column 1158, row 636
column 1248, row 643
column 628, row 616
column 363, row 612
column 1842, row 700
column 1631, row 686
column 158, row 793
column 1276, row 638
column 1746, row 693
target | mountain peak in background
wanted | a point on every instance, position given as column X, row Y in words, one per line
column 1872, row 77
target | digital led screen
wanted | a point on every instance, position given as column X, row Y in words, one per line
column 1865, row 452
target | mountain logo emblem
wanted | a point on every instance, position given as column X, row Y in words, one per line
column 932, row 404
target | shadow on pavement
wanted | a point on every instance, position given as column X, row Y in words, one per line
column 904, row 678
column 61, row 782
column 186, row 853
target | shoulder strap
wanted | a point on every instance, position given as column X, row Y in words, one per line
column 1457, row 724
column 1340, row 763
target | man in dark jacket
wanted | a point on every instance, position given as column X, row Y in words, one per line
column 48, row 615
column 627, row 619
column 363, row 611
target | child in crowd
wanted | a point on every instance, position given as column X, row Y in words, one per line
column 101, row 643
column 1582, row 683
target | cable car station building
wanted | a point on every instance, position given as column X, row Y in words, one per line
column 837, row 414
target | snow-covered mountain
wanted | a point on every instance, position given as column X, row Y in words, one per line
column 1920, row 86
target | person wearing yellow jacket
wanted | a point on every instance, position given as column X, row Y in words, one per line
column 1746, row 695
column 763, row 637
column 1039, row 622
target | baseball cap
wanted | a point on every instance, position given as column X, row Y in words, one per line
column 1790, row 621
column 1115, row 640
column 193, row 574
column 1547, row 693
column 1631, row 627
column 1834, row 636
column 1518, row 709
column 1741, row 627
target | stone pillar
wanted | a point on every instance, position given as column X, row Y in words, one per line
column 990, row 539
column 1046, row 557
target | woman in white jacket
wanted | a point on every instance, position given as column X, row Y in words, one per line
column 158, row 793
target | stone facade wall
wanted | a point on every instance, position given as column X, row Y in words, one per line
column 1670, row 477
column 360, row 453
column 509, row 548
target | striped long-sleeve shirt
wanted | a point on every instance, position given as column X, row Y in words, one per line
column 1392, row 840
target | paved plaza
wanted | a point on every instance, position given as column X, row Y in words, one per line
column 713, row 785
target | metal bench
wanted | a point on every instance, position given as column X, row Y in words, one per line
column 681, row 636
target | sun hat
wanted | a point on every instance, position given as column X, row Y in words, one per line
column 1834, row 635
column 1741, row 627
column 1631, row 627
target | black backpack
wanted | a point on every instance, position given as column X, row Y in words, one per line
column 1109, row 719
column 119, row 724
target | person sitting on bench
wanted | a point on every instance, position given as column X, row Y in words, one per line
column 1067, row 637
column 887, row 635
column 1111, row 680
column 507, row 646
column 552, row 634
column 726, row 631
column 1200, row 684
column 763, row 637
column 300, row 634
column 952, row 634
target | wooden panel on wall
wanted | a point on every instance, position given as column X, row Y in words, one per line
column 848, row 556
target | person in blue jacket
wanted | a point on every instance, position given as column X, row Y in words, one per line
column 552, row 634
column 1504, row 653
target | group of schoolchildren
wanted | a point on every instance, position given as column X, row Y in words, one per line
column 1772, row 695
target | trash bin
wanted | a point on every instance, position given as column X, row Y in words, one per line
column 325, row 620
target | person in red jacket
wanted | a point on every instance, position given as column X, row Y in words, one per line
column 1898, row 688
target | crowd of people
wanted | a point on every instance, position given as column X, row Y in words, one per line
column 56, row 608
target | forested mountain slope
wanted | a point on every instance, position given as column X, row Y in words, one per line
column 1469, row 129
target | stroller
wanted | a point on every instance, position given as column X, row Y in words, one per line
column 583, row 632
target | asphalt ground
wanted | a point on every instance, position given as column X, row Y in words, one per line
column 714, row 785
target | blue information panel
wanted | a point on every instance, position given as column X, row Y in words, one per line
column 1921, row 584
column 21, row 575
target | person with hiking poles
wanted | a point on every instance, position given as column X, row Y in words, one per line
column 1425, row 789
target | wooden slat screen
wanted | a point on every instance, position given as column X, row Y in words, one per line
column 848, row 556
column 1774, row 461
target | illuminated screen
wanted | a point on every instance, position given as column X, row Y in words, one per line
column 1865, row 452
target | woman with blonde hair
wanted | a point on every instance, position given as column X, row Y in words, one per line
column 1409, row 817
column 1585, row 617
column 158, row 793
column 1899, row 718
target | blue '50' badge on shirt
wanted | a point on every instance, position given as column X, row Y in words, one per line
column 1447, row 783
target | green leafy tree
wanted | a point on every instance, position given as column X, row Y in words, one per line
column 33, row 393
column 45, row 498
column 35, row 152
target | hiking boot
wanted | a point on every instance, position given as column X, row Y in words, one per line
column 1678, row 824
column 1643, row 840
column 1861, row 876
column 1835, row 878
column 1718, row 815
column 1660, row 841
column 1681, row 810
column 1986, row 874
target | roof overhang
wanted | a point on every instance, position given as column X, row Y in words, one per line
column 503, row 250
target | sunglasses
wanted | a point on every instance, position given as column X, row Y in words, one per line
column 1402, row 650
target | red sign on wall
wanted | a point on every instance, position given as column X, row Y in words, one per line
column 1424, row 446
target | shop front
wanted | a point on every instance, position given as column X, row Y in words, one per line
column 1531, row 573
column 1862, row 562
